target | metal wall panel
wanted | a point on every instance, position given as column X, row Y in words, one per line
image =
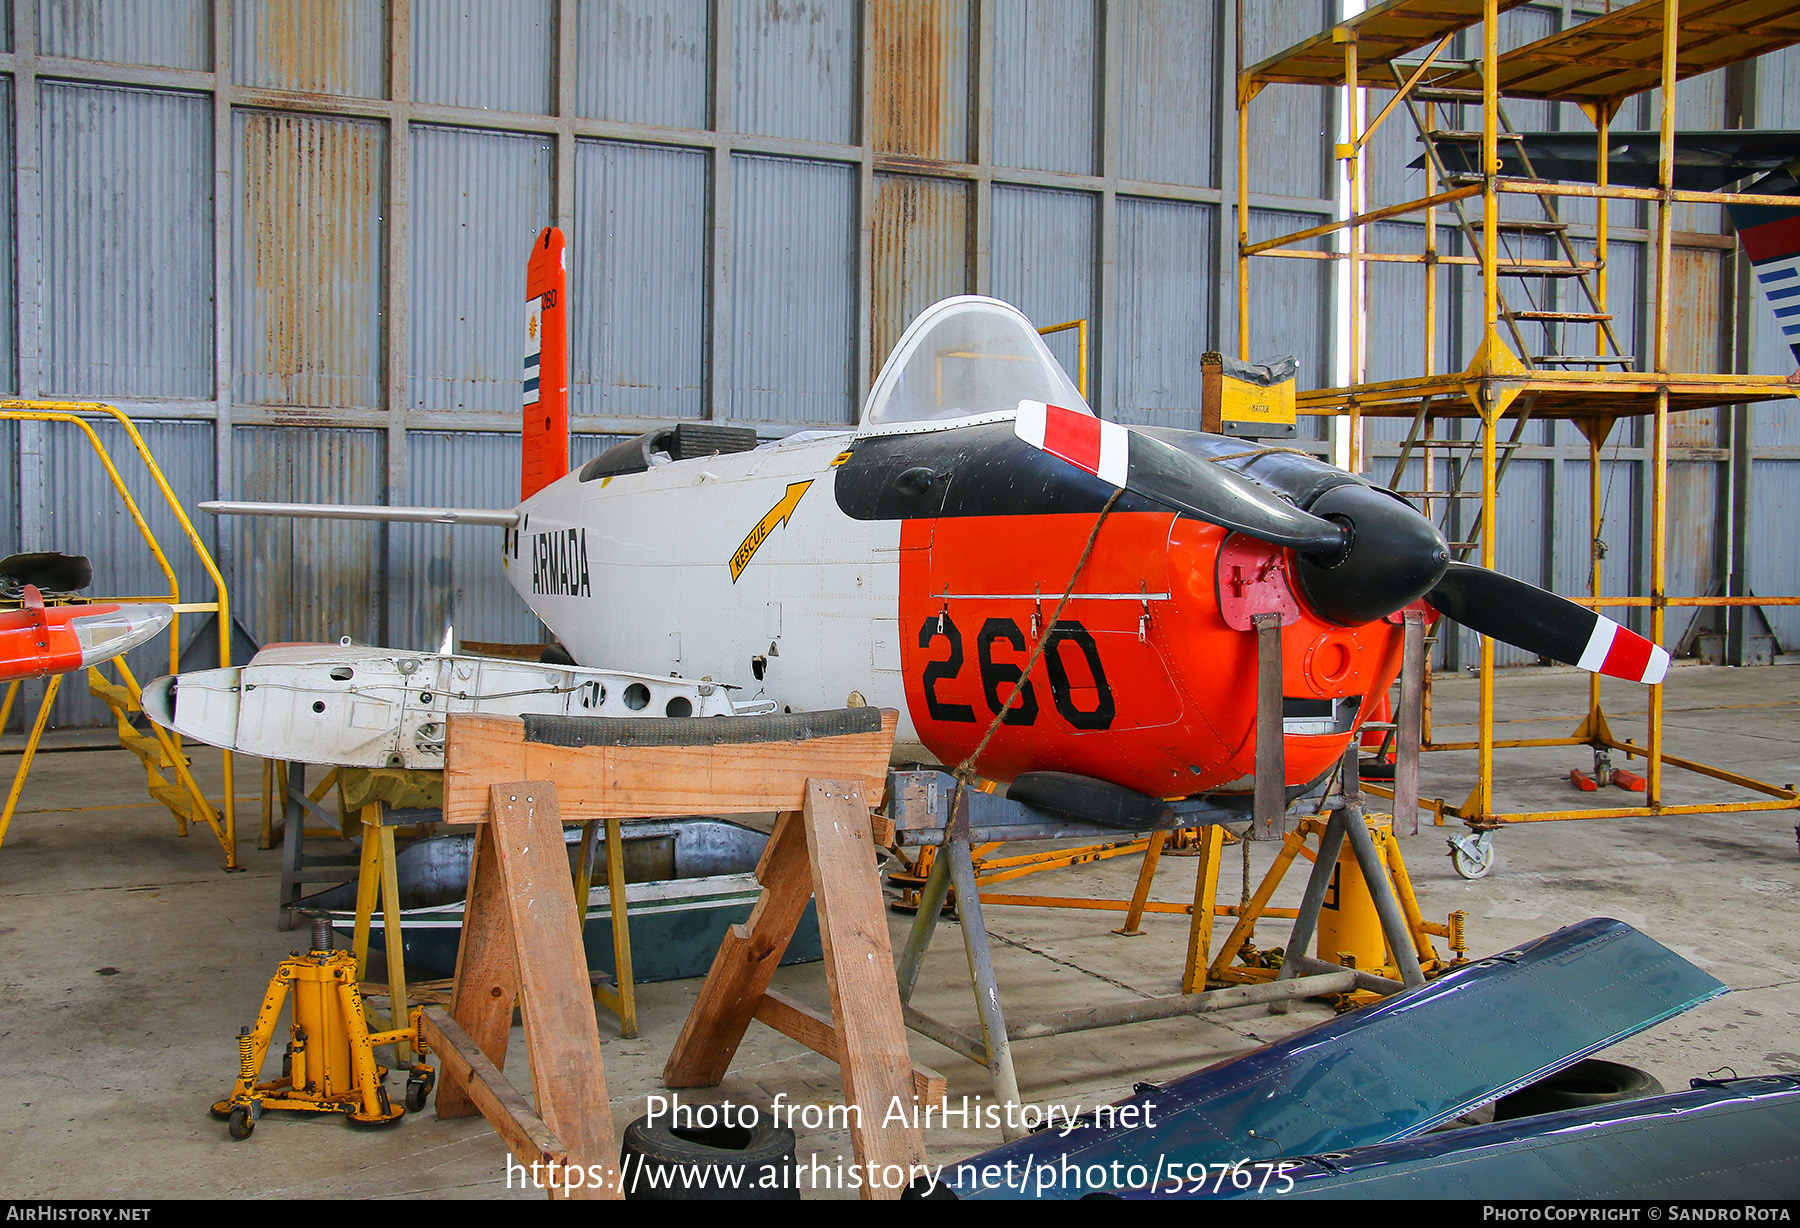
column 643, row 61
column 1699, row 517
column 85, row 515
column 1043, row 263
column 127, row 194
column 9, row 276
column 449, row 575
column 167, row 33
column 1046, row 86
column 1394, row 332
column 1574, row 534
column 472, row 53
column 795, row 68
column 1290, row 302
column 1522, row 545
column 921, row 253
column 10, row 542
column 637, row 277
column 1388, row 179
column 316, row 46
column 793, row 283
column 1290, row 142
column 1290, row 125
column 1621, row 530
column 920, row 97
column 1165, row 251
column 308, row 580
column 1774, row 563
column 1699, row 103
column 307, row 266
column 1167, row 89
column 1271, row 26
column 479, row 200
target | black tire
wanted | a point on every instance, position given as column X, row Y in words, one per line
column 724, row 1164
column 418, row 1091
column 241, row 1125
column 1588, row 1082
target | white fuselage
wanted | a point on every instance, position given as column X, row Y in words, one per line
column 639, row 568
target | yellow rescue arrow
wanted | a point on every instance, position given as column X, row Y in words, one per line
column 775, row 516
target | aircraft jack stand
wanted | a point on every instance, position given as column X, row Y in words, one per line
column 330, row 1065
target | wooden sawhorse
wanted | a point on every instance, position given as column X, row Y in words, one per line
column 522, row 936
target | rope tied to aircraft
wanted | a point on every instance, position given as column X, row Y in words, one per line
column 965, row 771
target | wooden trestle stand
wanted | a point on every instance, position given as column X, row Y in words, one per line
column 522, row 929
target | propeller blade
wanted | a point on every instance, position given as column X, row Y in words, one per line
column 1156, row 470
column 1527, row 617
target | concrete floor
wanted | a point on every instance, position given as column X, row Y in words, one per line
column 128, row 961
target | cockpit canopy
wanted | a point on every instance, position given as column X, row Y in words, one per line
column 965, row 357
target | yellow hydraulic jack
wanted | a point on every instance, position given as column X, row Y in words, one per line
column 330, row 1062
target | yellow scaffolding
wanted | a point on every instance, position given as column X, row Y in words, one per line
column 185, row 798
column 1596, row 64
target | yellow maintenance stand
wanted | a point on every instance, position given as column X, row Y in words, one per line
column 330, row 1065
column 1349, row 929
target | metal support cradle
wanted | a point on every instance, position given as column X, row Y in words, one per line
column 927, row 808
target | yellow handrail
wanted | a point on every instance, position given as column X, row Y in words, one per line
column 70, row 413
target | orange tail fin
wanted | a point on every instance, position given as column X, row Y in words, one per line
column 546, row 365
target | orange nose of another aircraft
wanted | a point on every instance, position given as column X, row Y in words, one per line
column 37, row 641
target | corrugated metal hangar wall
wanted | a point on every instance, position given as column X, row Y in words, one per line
column 288, row 237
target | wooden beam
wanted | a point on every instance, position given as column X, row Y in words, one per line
column 562, row 1034
column 511, row 1115
column 487, row 975
column 814, row 1029
column 599, row 782
column 859, row 967
column 746, row 961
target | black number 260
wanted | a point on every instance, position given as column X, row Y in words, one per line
column 998, row 678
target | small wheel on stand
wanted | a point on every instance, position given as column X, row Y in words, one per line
column 241, row 1124
column 418, row 1090
column 1472, row 856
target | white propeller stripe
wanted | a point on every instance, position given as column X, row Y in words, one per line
column 1115, row 453
column 1029, row 425
column 1599, row 644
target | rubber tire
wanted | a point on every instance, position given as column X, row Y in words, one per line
column 241, row 1125
column 677, row 1162
column 418, row 1091
column 1593, row 1081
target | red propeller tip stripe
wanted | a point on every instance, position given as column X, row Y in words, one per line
column 1618, row 653
column 1101, row 448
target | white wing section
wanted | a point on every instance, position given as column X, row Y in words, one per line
column 503, row 517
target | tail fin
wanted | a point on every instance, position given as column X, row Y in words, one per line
column 546, row 365
column 1771, row 238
